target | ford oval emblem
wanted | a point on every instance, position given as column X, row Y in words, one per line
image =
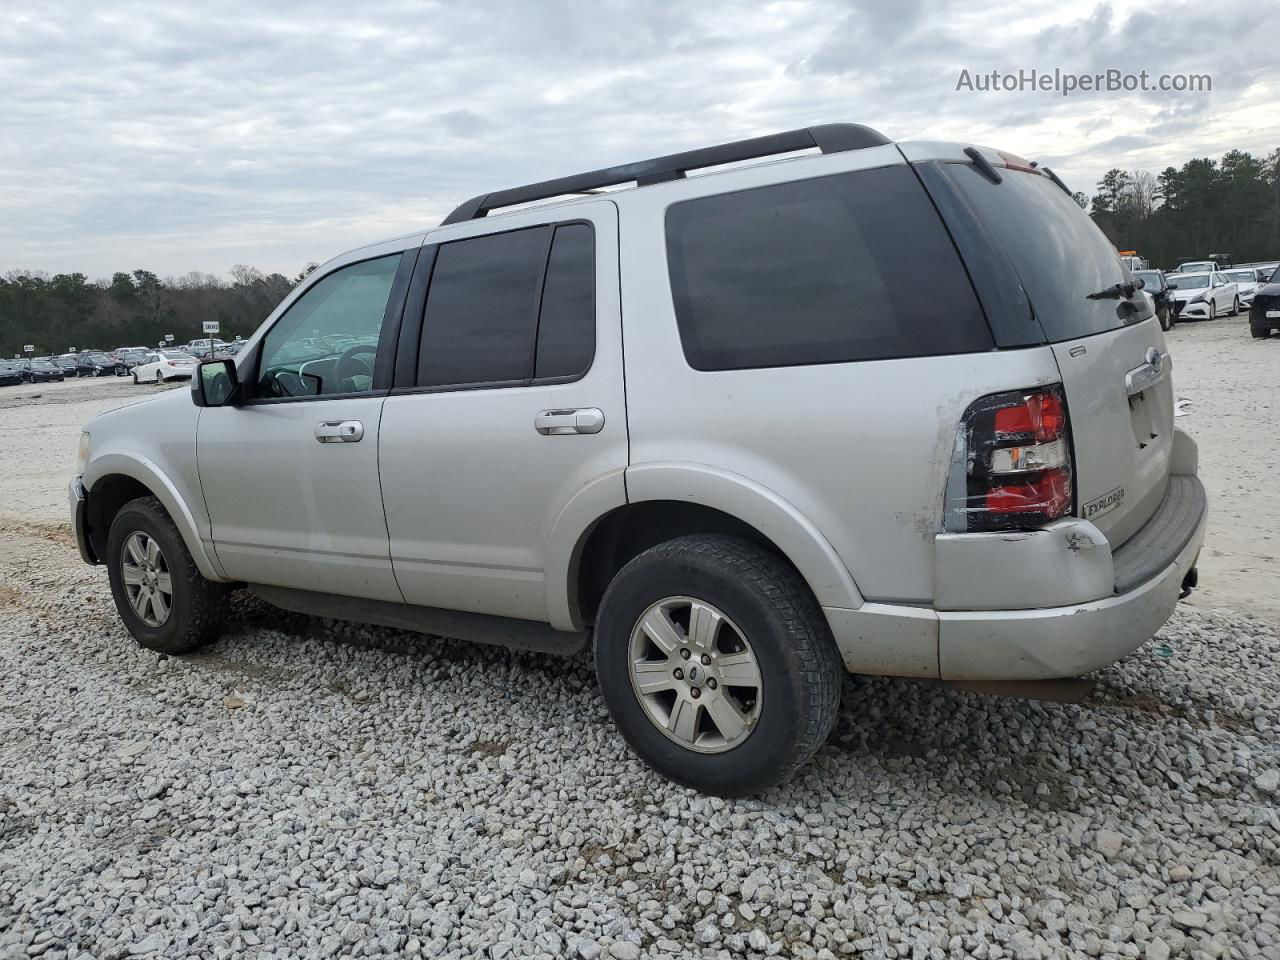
column 1154, row 359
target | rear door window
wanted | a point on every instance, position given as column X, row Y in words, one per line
column 1059, row 253
column 850, row 267
column 481, row 309
column 510, row 309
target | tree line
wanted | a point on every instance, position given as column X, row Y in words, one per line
column 1205, row 207
column 55, row 313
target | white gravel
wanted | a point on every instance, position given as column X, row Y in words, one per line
column 312, row 789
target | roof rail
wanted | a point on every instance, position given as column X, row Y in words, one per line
column 828, row 137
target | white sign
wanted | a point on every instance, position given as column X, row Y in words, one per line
column 210, row 326
column 168, row 338
column 28, row 348
column 71, row 349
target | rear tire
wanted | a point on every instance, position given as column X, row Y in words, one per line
column 135, row 380
column 762, row 627
column 195, row 609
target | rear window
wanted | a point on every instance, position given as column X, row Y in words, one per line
column 1059, row 253
column 850, row 267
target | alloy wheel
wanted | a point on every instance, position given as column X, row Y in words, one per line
column 147, row 582
column 695, row 674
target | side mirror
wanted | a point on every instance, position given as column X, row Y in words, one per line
column 215, row 384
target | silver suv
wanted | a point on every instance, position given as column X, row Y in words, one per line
column 890, row 408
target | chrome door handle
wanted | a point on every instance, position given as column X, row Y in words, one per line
column 339, row 431
column 551, row 423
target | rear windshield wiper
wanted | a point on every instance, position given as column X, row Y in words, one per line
column 1115, row 292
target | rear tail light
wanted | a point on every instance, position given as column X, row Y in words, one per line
column 1012, row 466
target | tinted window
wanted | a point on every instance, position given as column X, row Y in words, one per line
column 481, row 309
column 849, row 267
column 1059, row 253
column 327, row 342
column 567, row 323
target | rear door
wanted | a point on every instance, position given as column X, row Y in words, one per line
column 1112, row 355
column 509, row 404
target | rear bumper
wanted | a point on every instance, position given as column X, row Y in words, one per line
column 1134, row 592
column 78, row 502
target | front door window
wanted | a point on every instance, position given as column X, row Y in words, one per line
column 327, row 341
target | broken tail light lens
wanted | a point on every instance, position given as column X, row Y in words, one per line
column 1013, row 468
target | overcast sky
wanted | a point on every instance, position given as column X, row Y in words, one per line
column 178, row 137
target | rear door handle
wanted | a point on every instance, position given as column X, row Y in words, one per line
column 339, row 431
column 551, row 423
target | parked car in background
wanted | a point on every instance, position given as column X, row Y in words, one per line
column 164, row 365
column 1203, row 296
column 1246, row 281
column 95, row 363
column 69, row 363
column 130, row 357
column 1157, row 286
column 752, row 498
column 1264, row 311
column 205, row 349
column 41, row 371
column 10, row 373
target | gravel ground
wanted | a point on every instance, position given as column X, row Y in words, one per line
column 305, row 788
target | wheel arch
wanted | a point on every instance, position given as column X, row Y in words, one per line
column 114, row 480
column 667, row 500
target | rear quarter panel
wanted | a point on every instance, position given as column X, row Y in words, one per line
column 860, row 450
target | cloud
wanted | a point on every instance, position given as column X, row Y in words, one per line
column 190, row 137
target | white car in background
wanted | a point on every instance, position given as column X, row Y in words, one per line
column 1246, row 281
column 1203, row 296
column 1197, row 266
column 164, row 365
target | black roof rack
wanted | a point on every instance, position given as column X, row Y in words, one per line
column 828, row 137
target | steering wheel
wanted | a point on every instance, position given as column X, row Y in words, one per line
column 347, row 367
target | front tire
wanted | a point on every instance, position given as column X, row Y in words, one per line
column 159, row 592
column 1235, row 307
column 1213, row 310
column 1165, row 323
column 1258, row 331
column 717, row 664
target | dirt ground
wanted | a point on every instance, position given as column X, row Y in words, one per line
column 1231, row 383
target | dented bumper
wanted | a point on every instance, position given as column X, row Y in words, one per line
column 1080, row 606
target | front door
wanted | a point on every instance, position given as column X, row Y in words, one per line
column 290, row 476
column 511, row 407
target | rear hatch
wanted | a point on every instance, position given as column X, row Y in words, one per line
column 1109, row 348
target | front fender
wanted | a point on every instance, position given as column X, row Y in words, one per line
column 792, row 532
column 166, row 491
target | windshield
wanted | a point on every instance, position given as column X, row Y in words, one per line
column 1241, row 276
column 176, row 355
column 1195, row 265
column 1191, row 281
column 1059, row 254
column 1150, row 277
column 41, row 365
